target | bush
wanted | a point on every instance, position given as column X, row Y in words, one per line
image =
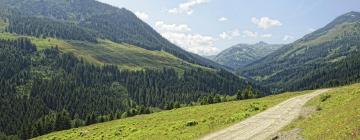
column 318, row 108
column 324, row 97
column 192, row 123
column 253, row 107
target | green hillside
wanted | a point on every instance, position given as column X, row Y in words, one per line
column 107, row 52
column 51, row 84
column 71, row 63
column 325, row 58
column 337, row 115
column 88, row 20
column 241, row 55
column 184, row 123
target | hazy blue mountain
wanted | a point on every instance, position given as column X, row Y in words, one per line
column 241, row 55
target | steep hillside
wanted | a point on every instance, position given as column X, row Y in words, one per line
column 127, row 57
column 45, row 89
column 71, row 63
column 326, row 57
column 241, row 55
column 118, row 25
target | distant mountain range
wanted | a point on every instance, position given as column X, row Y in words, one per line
column 324, row 58
column 241, row 55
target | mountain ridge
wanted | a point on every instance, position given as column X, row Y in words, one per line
column 241, row 55
column 310, row 61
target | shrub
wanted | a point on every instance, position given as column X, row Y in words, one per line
column 324, row 97
column 192, row 123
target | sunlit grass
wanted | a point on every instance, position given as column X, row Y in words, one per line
column 106, row 52
column 184, row 123
column 337, row 117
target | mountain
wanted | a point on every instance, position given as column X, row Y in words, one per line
column 70, row 63
column 241, row 55
column 324, row 58
column 89, row 18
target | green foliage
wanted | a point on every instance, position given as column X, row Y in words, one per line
column 42, row 27
column 192, row 123
column 247, row 93
column 324, row 97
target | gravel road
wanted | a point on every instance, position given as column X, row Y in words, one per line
column 267, row 123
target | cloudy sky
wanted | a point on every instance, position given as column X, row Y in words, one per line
column 206, row 27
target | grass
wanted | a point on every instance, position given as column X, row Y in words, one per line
column 184, row 123
column 337, row 115
column 106, row 52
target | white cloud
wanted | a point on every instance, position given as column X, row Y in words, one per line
column 222, row 19
column 265, row 22
column 250, row 34
column 196, row 43
column 163, row 27
column 181, row 36
column 142, row 15
column 288, row 38
column 230, row 34
column 266, row 35
column 187, row 7
column 311, row 30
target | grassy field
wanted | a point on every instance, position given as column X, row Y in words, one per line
column 106, row 52
column 337, row 116
column 184, row 123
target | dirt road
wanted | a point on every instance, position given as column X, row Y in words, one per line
column 267, row 123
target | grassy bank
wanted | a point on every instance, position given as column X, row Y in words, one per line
column 184, row 123
column 337, row 115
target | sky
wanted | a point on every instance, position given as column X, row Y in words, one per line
column 206, row 27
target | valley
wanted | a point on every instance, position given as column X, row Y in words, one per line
column 98, row 69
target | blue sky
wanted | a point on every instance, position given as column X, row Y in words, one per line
column 206, row 27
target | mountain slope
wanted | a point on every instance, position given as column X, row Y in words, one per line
column 127, row 57
column 326, row 57
column 118, row 25
column 62, row 67
column 44, row 89
column 241, row 55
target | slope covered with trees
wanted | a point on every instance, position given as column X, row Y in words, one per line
column 56, row 84
column 43, row 27
column 325, row 58
column 43, row 91
column 118, row 25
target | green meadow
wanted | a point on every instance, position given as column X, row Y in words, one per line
column 106, row 52
column 184, row 123
column 337, row 115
